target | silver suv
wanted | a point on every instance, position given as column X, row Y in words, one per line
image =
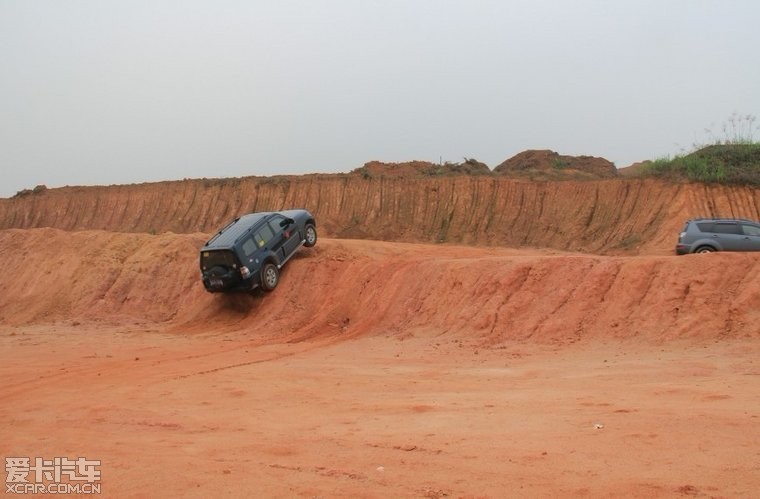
column 704, row 235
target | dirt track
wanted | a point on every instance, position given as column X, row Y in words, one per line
column 383, row 369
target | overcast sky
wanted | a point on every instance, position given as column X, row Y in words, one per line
column 109, row 92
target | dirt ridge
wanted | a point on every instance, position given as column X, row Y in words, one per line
column 625, row 216
column 343, row 288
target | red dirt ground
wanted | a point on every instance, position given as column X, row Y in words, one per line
column 382, row 369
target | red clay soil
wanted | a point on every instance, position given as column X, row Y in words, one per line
column 386, row 368
column 381, row 369
column 617, row 216
column 351, row 287
column 405, row 169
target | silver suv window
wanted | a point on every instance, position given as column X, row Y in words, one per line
column 726, row 228
column 750, row 230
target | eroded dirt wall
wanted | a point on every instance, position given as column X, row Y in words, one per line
column 607, row 216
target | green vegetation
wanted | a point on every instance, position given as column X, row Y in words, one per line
column 470, row 166
column 26, row 192
column 560, row 164
column 718, row 163
column 734, row 159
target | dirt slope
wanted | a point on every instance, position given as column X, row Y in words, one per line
column 606, row 216
column 349, row 288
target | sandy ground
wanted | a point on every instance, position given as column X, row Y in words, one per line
column 424, row 415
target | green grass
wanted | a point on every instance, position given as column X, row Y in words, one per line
column 560, row 164
column 717, row 163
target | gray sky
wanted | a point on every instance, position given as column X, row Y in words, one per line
column 109, row 92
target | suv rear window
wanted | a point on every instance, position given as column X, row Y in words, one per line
column 222, row 258
column 249, row 247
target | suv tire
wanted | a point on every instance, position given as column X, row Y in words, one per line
column 310, row 236
column 705, row 249
column 270, row 276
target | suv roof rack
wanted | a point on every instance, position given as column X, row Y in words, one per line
column 731, row 219
column 223, row 229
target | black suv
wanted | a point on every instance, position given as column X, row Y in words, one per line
column 250, row 251
column 705, row 235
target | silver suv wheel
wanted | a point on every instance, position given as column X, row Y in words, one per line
column 311, row 236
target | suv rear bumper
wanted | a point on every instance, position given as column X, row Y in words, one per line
column 683, row 249
column 213, row 285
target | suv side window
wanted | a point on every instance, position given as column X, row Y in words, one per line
column 275, row 222
column 249, row 247
column 263, row 236
column 751, row 230
column 726, row 228
column 705, row 226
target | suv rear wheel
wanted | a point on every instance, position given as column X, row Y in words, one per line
column 270, row 276
column 705, row 249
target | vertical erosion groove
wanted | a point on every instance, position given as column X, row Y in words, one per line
column 606, row 216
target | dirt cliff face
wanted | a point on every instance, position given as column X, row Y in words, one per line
column 603, row 216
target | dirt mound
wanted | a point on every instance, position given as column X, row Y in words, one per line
column 401, row 170
column 616, row 216
column 413, row 169
column 486, row 295
column 549, row 165
column 633, row 170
